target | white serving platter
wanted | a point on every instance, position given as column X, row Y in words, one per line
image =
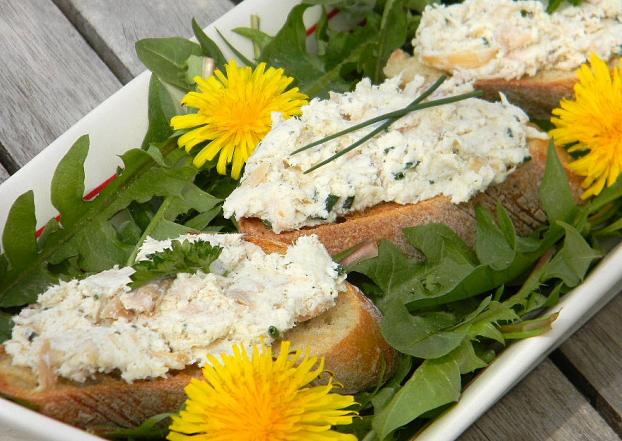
column 119, row 124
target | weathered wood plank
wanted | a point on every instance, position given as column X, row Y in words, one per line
column 3, row 174
column 544, row 406
column 592, row 359
column 113, row 34
column 50, row 77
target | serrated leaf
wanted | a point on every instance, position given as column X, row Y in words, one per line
column 166, row 57
column 90, row 237
column 429, row 239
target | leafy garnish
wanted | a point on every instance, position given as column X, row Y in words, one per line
column 181, row 257
column 555, row 4
column 166, row 58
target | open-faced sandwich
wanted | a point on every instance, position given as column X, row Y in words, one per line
column 433, row 165
column 514, row 47
column 98, row 352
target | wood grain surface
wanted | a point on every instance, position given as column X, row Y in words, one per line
column 113, row 34
column 544, row 406
column 3, row 174
column 61, row 58
column 50, row 78
column 592, row 359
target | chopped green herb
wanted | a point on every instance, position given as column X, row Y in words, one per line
column 267, row 223
column 398, row 176
column 347, row 204
column 273, row 332
column 331, row 200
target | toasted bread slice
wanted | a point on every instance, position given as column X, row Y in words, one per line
column 537, row 95
column 518, row 193
column 348, row 336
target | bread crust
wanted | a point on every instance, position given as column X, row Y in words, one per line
column 518, row 193
column 108, row 401
column 537, row 95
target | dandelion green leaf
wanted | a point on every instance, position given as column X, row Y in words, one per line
column 434, row 384
column 166, row 58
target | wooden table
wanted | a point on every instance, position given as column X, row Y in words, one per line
column 61, row 58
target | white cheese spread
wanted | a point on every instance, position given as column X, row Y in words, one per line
column 455, row 150
column 483, row 39
column 98, row 325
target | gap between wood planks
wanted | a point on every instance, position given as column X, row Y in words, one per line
column 588, row 390
column 94, row 40
column 7, row 162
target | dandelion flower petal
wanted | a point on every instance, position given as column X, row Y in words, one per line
column 234, row 113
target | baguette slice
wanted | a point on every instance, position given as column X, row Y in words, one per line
column 348, row 336
column 537, row 95
column 518, row 193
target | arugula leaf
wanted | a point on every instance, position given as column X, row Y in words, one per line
column 528, row 328
column 182, row 257
column 166, row 58
column 434, row 384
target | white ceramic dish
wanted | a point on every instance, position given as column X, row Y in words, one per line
column 119, row 124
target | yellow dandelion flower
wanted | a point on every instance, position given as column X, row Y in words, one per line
column 234, row 113
column 593, row 120
column 261, row 398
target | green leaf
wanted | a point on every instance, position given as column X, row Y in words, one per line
column 528, row 328
column 18, row 239
column 491, row 245
column 430, row 239
column 467, row 358
column 555, row 195
column 151, row 429
column 200, row 221
column 426, row 336
column 392, row 36
column 391, row 270
column 162, row 107
column 506, row 226
column 68, row 182
column 434, row 384
column 571, row 263
column 208, row 46
column 288, row 49
column 182, row 257
column 166, row 57
column 6, row 326
column 255, row 35
column 237, row 52
column 89, row 236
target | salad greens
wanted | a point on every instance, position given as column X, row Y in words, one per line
column 448, row 311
